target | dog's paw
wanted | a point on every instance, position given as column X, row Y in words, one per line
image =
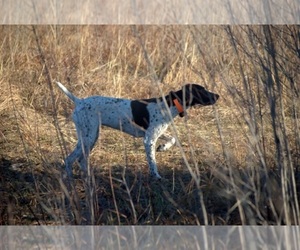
column 161, row 148
column 155, row 176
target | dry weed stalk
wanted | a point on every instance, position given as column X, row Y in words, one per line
column 235, row 163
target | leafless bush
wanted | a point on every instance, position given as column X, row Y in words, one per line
column 237, row 163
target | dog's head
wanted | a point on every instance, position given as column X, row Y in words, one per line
column 194, row 94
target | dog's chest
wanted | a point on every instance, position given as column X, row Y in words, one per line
column 148, row 112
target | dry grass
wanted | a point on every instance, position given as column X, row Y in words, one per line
column 238, row 162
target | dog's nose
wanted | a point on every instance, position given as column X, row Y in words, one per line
column 217, row 96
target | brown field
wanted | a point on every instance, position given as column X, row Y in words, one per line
column 237, row 162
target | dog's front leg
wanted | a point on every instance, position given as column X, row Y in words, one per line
column 170, row 141
column 149, row 143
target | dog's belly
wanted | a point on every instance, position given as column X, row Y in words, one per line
column 125, row 125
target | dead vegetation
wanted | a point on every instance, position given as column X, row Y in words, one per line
column 237, row 163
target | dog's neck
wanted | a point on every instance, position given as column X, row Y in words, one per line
column 175, row 99
column 179, row 107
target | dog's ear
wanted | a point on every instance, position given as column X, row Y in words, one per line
column 172, row 96
column 187, row 94
column 187, row 87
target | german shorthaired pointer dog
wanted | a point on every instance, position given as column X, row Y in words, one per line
column 147, row 118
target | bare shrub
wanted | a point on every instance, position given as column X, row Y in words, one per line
column 236, row 163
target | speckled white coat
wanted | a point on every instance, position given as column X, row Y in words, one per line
column 125, row 115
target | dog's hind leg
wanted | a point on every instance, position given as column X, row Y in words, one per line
column 87, row 128
column 76, row 154
column 87, row 145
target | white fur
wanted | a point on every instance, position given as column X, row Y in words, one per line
column 91, row 112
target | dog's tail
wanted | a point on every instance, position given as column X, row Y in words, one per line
column 67, row 92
